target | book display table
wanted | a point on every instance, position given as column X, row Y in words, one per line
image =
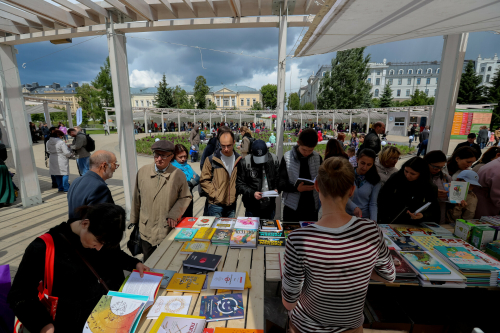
column 167, row 257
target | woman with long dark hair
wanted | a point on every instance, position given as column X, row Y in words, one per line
column 364, row 201
column 461, row 159
column 406, row 191
column 437, row 160
column 491, row 154
column 334, row 148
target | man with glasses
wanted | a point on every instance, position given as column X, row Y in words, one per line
column 160, row 198
column 91, row 188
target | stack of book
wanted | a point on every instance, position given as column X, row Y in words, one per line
column 494, row 220
column 405, row 243
column 439, row 230
column 186, row 222
column 204, row 234
column 204, row 222
column 404, row 271
column 270, row 225
column 222, row 236
column 201, row 263
column 271, row 233
column 244, row 238
column 247, row 223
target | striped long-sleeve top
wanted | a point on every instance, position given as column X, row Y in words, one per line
column 327, row 271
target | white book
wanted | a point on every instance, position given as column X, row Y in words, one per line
column 204, row 222
column 224, row 223
column 170, row 304
column 247, row 223
column 270, row 194
column 458, row 191
column 228, row 280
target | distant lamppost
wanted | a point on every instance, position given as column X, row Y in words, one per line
column 223, row 101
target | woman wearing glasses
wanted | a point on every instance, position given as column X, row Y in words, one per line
column 437, row 160
column 386, row 163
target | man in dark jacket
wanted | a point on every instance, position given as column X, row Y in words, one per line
column 425, row 134
column 470, row 143
column 372, row 140
column 259, row 173
column 91, row 188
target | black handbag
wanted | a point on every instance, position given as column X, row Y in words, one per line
column 134, row 243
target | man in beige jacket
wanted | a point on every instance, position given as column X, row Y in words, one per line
column 161, row 196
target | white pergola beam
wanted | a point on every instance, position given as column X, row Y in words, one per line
column 172, row 10
column 190, row 5
column 51, row 11
column 27, row 16
column 142, row 8
column 95, row 7
column 77, row 10
column 17, row 120
column 12, row 27
column 19, row 21
column 211, row 4
column 123, row 9
column 452, row 62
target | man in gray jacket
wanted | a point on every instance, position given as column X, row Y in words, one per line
column 79, row 147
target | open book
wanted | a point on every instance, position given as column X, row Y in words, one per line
column 305, row 181
column 146, row 286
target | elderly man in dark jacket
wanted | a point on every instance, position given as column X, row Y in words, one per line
column 259, row 173
column 91, row 188
column 372, row 140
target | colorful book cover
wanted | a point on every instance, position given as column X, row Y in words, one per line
column 190, row 247
column 305, row 223
column 228, row 280
column 402, row 267
column 463, row 259
column 209, row 330
column 224, row 223
column 222, row 236
column 458, row 191
column 176, row 323
column 190, row 283
column 222, row 307
column 248, row 285
column 247, row 223
column 244, row 238
column 390, row 244
column 271, row 234
column 186, row 222
column 148, row 285
column 170, row 304
column 406, row 244
column 185, row 234
column 204, row 222
column 272, row 241
column 167, row 275
column 291, row 226
column 428, row 242
column 114, row 314
column 268, row 225
column 236, row 330
column 204, row 234
column 411, row 230
column 387, row 230
column 425, row 263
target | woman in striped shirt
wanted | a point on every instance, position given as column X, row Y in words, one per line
column 329, row 264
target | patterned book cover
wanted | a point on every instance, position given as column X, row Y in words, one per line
column 428, row 242
column 272, row 241
column 170, row 304
column 204, row 234
column 406, row 244
column 177, row 323
column 463, row 259
column 425, row 263
column 190, row 247
column 412, row 230
column 387, row 230
column 186, row 222
column 190, row 283
column 185, row 234
column 222, row 307
column 224, row 223
column 222, row 236
column 244, row 238
column 236, row 330
column 204, row 222
column 402, row 267
column 247, row 223
column 268, row 225
column 460, row 242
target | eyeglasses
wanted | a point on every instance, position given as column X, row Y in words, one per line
column 163, row 157
column 227, row 147
column 436, row 167
column 115, row 164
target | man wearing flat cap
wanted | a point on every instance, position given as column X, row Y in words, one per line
column 161, row 196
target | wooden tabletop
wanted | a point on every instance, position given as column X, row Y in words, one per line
column 167, row 256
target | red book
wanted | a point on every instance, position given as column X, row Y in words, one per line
column 403, row 269
column 186, row 222
column 208, row 330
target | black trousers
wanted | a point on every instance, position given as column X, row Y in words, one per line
column 147, row 249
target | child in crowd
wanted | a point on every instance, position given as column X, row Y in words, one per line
column 351, row 152
column 467, row 208
column 194, row 154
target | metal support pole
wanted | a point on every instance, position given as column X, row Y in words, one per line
column 350, row 122
column 452, row 62
column 162, row 123
column 145, row 120
column 317, row 119
column 47, row 114
column 368, row 123
column 386, row 123
column 301, row 120
column 17, row 123
column 407, row 122
column 333, row 121
column 194, row 117
column 210, row 121
column 106, row 122
column 123, row 106
column 240, row 119
column 178, row 122
column 69, row 115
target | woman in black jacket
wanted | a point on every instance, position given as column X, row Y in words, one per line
column 406, row 191
column 97, row 238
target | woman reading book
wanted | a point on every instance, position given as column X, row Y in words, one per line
column 96, row 238
column 323, row 291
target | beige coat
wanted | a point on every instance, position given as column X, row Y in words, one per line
column 157, row 198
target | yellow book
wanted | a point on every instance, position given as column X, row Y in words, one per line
column 188, row 283
column 204, row 234
column 190, row 247
column 170, row 322
column 248, row 285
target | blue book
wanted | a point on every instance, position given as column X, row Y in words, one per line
column 222, row 307
column 424, row 262
column 185, row 235
column 462, row 259
column 167, row 276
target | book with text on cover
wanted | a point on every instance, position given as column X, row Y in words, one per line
column 406, row 243
column 228, row 280
column 187, row 283
column 204, row 234
column 190, row 247
column 222, row 307
column 148, row 285
column 244, row 238
column 167, row 275
column 268, row 225
column 224, row 223
column 170, row 304
column 425, row 263
column 462, row 259
column 204, row 221
column 186, row 222
column 271, row 234
column 222, row 236
column 204, row 261
column 177, row 323
column 403, row 269
column 185, row 235
column 458, row 191
column 272, row 241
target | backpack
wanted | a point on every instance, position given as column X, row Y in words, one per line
column 251, row 139
column 90, row 146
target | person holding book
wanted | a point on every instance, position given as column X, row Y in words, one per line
column 467, row 208
column 324, row 293
column 95, row 238
column 259, row 173
column 300, row 162
column 436, row 160
column 192, row 178
column 386, row 162
column 405, row 192
column 462, row 159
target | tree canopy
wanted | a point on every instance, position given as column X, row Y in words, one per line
column 90, row 102
column 493, row 96
column 164, row 97
column 293, row 102
column 386, row 98
column 470, row 90
column 102, row 82
column 201, row 91
column 269, row 96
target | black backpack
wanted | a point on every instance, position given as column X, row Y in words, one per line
column 90, row 146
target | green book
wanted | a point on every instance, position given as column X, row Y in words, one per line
column 185, row 235
column 222, row 236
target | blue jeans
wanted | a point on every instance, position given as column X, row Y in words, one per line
column 83, row 165
column 62, row 182
column 222, row 211
column 267, row 213
column 482, row 145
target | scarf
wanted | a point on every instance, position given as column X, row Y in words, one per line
column 359, row 180
column 185, row 167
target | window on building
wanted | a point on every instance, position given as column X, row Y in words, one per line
column 147, row 103
column 253, row 101
column 428, row 80
column 226, row 101
column 400, row 81
column 409, row 82
column 391, row 72
column 401, row 72
column 377, row 81
column 208, row 101
column 376, row 92
column 427, row 92
column 398, row 93
column 487, row 78
column 136, row 103
column 242, row 102
column 218, row 102
column 248, row 101
column 390, row 81
column 399, row 121
column 483, row 69
column 489, row 69
column 323, row 74
column 418, row 81
column 419, row 71
column 142, row 103
column 233, row 102
column 429, row 70
column 407, row 92
column 369, row 80
column 378, row 72
column 410, row 71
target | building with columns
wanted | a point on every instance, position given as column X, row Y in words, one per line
column 54, row 92
column 486, row 68
column 225, row 97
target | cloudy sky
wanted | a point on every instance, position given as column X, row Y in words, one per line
column 149, row 57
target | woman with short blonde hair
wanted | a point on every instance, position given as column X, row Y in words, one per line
column 386, row 162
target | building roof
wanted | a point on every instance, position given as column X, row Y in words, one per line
column 43, row 90
column 190, row 89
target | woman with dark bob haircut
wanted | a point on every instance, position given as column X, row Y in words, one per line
column 96, row 237
column 334, row 148
column 406, row 191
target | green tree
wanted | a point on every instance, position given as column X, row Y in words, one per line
column 386, row 98
column 211, row 105
column 189, row 104
column 103, row 83
column 308, row 106
column 418, row 98
column 493, row 96
column 201, row 91
column 180, row 97
column 269, row 96
column 376, row 102
column 90, row 102
column 293, row 102
column 367, row 100
column 470, row 90
column 345, row 86
column 164, row 97
column 256, row 106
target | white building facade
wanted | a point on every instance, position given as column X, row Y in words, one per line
column 486, row 68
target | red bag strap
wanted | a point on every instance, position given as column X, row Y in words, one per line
column 48, row 277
